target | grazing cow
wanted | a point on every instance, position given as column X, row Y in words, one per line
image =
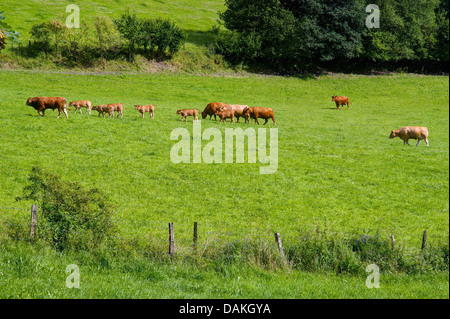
column 211, row 109
column 118, row 107
column 146, row 108
column 188, row 112
column 411, row 132
column 239, row 112
column 79, row 104
column 224, row 113
column 40, row 104
column 256, row 112
column 103, row 109
column 341, row 101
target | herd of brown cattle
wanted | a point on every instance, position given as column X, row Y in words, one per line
column 222, row 110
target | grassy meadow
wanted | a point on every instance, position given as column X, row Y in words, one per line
column 338, row 171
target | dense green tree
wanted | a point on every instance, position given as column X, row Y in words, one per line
column 407, row 31
column 129, row 25
column 291, row 33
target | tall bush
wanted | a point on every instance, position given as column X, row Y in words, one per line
column 71, row 216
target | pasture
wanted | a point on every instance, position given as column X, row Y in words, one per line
column 337, row 170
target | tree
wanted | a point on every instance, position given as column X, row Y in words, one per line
column 57, row 28
column 6, row 33
column 328, row 29
column 292, row 34
column 107, row 36
column 441, row 50
column 130, row 27
column 408, row 31
column 161, row 35
column 40, row 33
column 263, row 32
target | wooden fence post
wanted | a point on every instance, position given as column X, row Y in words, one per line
column 280, row 247
column 33, row 221
column 171, row 240
column 195, row 235
column 393, row 241
column 424, row 239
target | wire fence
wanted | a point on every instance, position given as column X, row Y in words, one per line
column 209, row 235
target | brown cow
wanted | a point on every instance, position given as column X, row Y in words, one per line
column 188, row 112
column 341, row 101
column 146, row 108
column 260, row 112
column 411, row 132
column 118, row 107
column 40, row 104
column 79, row 104
column 211, row 109
column 239, row 112
column 102, row 109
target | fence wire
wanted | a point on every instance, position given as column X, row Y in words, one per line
column 151, row 233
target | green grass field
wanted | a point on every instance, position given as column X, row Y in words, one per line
column 336, row 168
column 338, row 173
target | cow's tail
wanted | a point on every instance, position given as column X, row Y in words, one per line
column 66, row 107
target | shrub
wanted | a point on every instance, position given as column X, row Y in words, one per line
column 129, row 27
column 72, row 217
column 161, row 35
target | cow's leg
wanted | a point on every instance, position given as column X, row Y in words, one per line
column 426, row 140
column 267, row 119
column 65, row 112
column 418, row 142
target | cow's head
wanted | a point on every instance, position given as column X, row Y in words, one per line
column 179, row 112
column 246, row 111
column 29, row 101
column 333, row 98
column 393, row 134
column 137, row 107
column 204, row 115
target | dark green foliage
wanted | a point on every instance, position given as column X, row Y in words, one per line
column 130, row 27
column 161, row 35
column 407, row 31
column 294, row 35
column 70, row 216
column 6, row 32
column 291, row 34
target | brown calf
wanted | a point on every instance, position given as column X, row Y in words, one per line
column 42, row 103
column 188, row 112
column 79, row 104
column 103, row 109
column 146, row 108
column 411, row 132
column 260, row 112
column 118, row 107
column 224, row 113
column 341, row 101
